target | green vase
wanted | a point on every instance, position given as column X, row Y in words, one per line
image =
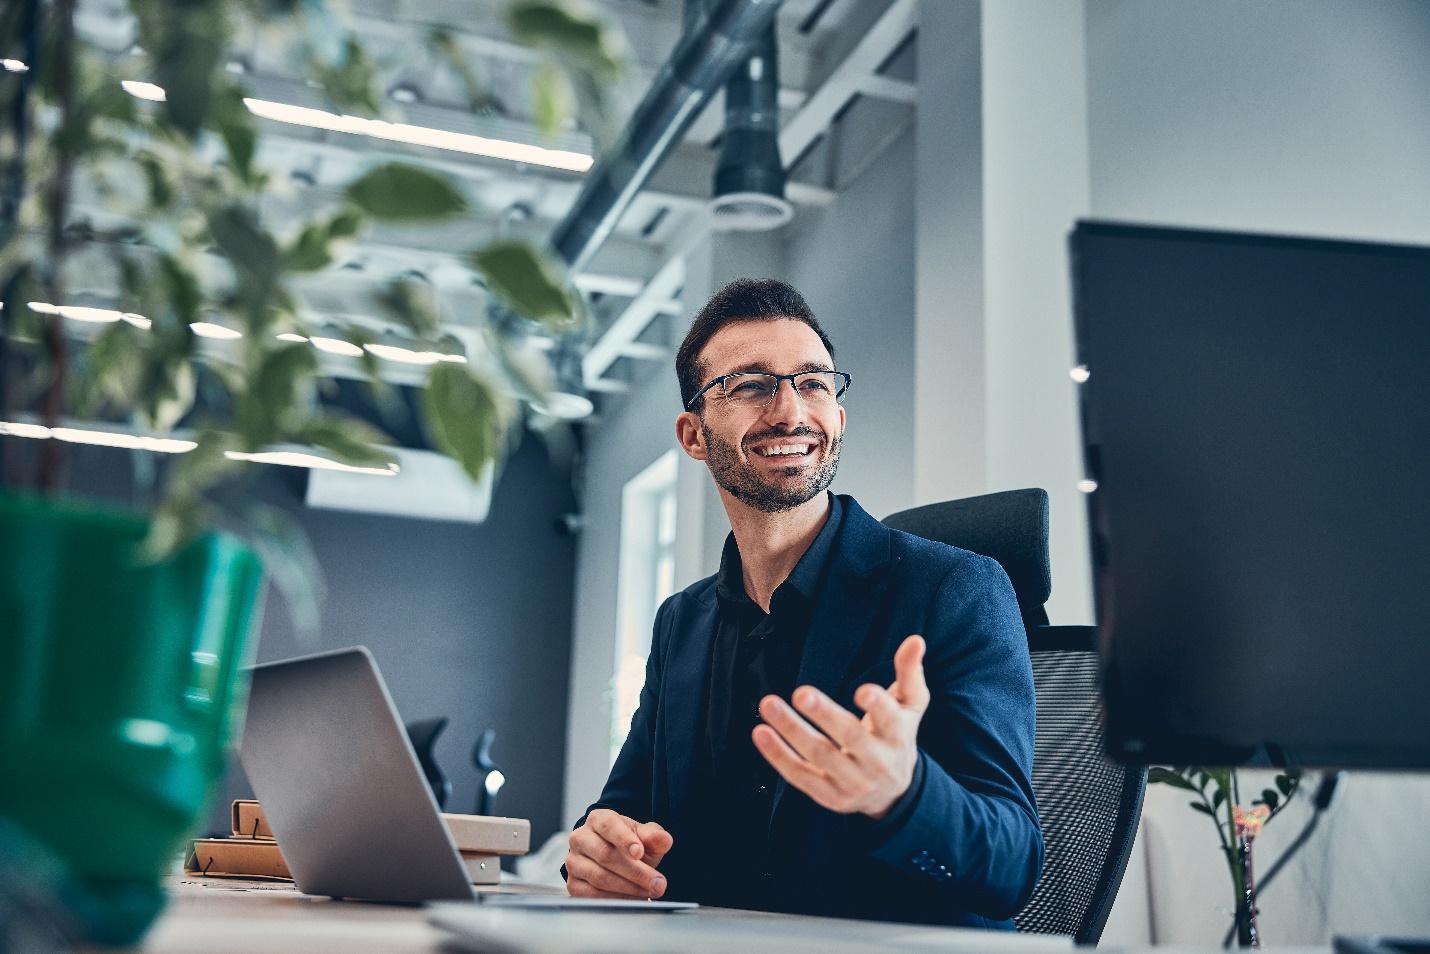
column 121, row 684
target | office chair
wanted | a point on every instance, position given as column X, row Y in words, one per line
column 1089, row 805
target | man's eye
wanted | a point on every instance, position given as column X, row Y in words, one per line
column 748, row 387
column 813, row 384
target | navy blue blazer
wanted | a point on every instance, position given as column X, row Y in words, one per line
column 969, row 850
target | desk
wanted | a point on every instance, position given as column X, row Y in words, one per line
column 231, row 916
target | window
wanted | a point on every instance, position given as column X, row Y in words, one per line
column 646, row 578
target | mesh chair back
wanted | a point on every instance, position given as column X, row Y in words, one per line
column 1089, row 805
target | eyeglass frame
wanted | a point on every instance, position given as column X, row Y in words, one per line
column 838, row 394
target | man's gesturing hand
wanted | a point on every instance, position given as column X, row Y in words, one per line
column 613, row 856
column 853, row 764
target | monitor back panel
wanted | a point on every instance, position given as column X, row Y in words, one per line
column 1257, row 421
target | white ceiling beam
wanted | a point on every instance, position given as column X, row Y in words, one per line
column 878, row 44
column 890, row 89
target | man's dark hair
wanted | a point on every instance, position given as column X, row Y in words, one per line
column 744, row 299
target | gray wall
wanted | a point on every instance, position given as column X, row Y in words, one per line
column 468, row 621
column 854, row 262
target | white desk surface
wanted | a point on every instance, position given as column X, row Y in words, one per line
column 218, row 915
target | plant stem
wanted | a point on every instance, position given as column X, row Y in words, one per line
column 51, row 456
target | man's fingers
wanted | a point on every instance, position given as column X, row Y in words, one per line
column 882, row 710
column 604, row 879
column 834, row 720
column 794, row 769
column 619, row 830
column 590, row 843
column 657, row 841
column 810, row 744
column 909, row 686
column 578, row 888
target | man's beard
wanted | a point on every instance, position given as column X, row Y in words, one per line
column 746, row 484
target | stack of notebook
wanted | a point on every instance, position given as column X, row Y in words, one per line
column 252, row 852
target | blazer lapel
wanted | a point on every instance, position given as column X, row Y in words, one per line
column 686, row 684
column 846, row 606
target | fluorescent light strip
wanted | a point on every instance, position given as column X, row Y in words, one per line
column 292, row 336
column 337, row 346
column 154, row 94
column 14, row 66
column 312, row 461
column 85, row 313
column 207, row 329
column 408, row 356
column 395, row 132
column 420, row 135
column 171, row 445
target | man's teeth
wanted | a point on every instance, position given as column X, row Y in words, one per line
column 784, row 449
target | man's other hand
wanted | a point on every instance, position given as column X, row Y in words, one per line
column 613, row 856
column 849, row 764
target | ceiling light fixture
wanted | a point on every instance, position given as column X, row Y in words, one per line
column 207, row 329
column 142, row 90
column 163, row 445
column 311, row 461
column 292, row 336
column 14, row 66
column 421, row 136
column 408, row 356
column 395, row 132
column 337, row 346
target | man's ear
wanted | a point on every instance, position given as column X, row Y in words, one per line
column 689, row 434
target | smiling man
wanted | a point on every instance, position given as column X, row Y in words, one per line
column 840, row 721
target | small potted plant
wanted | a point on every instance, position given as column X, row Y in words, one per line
column 124, row 634
column 1218, row 797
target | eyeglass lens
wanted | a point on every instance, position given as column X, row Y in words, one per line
column 756, row 389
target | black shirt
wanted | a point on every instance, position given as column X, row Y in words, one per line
column 754, row 654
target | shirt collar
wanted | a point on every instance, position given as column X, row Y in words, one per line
column 804, row 579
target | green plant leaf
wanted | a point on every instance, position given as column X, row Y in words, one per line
column 1218, row 797
column 113, row 366
column 236, row 129
column 176, row 522
column 1285, row 784
column 573, row 35
column 1269, row 798
column 348, row 439
column 185, row 42
column 351, row 82
column 413, row 303
column 397, row 192
column 279, row 392
column 291, row 564
column 530, row 283
column 317, row 243
column 1198, row 806
column 479, row 97
column 464, row 416
column 1157, row 774
column 555, row 100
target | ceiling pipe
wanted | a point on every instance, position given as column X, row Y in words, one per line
column 708, row 53
column 749, row 192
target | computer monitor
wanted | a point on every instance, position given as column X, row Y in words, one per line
column 1256, row 421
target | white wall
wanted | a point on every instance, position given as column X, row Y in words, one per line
column 1284, row 116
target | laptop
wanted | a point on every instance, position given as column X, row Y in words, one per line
column 341, row 788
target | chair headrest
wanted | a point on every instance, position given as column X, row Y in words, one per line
column 1010, row 526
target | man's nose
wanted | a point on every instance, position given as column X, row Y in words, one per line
column 786, row 406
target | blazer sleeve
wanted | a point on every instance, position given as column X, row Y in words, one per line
column 628, row 788
column 969, row 823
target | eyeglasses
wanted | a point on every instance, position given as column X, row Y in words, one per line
column 758, row 388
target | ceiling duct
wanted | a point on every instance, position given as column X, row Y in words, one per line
column 749, row 193
column 705, row 58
